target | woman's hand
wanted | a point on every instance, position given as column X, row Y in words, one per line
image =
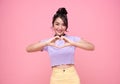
column 40, row 45
column 83, row 44
column 51, row 42
column 67, row 42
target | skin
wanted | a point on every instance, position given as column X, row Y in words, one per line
column 59, row 26
column 59, row 29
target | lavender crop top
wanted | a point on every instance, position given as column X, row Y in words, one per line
column 64, row 55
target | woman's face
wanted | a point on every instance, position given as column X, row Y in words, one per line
column 59, row 26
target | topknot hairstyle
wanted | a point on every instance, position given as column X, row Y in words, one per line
column 61, row 13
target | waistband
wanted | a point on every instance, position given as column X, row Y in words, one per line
column 63, row 66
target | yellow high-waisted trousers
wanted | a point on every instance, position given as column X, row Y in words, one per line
column 64, row 76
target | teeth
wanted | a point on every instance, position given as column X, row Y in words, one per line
column 59, row 31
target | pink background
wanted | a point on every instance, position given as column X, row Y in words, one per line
column 23, row 22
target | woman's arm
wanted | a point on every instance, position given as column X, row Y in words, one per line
column 40, row 45
column 83, row 44
column 80, row 44
column 36, row 46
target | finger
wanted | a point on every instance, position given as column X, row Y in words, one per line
column 61, row 38
column 52, row 44
column 65, row 45
column 56, row 38
column 65, row 39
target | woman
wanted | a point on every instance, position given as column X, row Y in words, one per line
column 61, row 48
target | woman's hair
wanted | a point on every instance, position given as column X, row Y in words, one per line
column 61, row 13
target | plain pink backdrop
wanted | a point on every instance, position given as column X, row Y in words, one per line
column 23, row 22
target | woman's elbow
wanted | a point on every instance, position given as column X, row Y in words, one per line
column 28, row 49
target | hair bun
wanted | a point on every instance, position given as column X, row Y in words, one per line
column 62, row 11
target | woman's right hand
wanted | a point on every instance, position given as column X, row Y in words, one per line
column 51, row 42
column 40, row 45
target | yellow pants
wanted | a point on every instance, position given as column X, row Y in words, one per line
column 64, row 76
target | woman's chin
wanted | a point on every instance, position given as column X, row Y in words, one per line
column 59, row 34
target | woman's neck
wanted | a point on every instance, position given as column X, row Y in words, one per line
column 60, row 35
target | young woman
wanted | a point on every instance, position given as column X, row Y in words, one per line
column 61, row 48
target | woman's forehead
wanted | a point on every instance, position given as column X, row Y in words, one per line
column 59, row 20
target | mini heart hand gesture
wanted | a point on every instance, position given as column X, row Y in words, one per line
column 51, row 42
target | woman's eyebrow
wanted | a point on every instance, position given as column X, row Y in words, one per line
column 56, row 22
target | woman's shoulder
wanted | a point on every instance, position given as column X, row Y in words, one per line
column 71, row 36
column 74, row 38
column 45, row 39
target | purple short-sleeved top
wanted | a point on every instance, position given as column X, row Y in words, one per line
column 59, row 56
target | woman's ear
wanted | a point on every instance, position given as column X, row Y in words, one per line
column 66, row 30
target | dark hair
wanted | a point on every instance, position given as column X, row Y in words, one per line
column 61, row 13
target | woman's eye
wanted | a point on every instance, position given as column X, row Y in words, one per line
column 57, row 24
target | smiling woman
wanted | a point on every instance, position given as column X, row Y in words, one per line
column 61, row 48
column 59, row 26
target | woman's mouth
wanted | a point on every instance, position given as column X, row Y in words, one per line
column 59, row 32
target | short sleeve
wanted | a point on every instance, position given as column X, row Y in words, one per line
column 46, row 47
column 77, row 39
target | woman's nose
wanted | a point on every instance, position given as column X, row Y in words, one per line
column 60, row 27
